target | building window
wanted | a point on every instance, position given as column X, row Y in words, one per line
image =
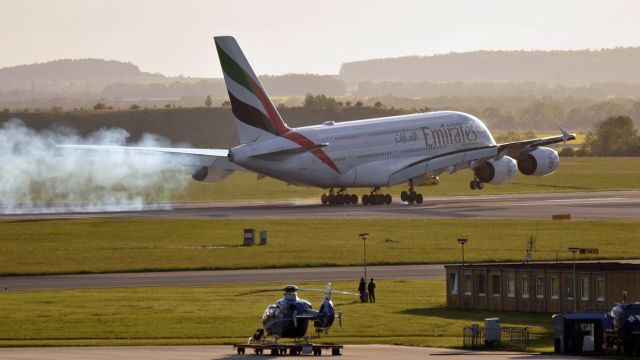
column 555, row 288
column 539, row 287
column 570, row 288
column 454, row 283
column 525, row 286
column 584, row 288
column 467, row 284
column 495, row 285
column 482, row 284
column 601, row 289
column 511, row 285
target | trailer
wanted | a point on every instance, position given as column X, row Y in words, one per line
column 302, row 348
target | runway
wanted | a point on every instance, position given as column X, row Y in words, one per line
column 194, row 278
column 581, row 205
column 226, row 352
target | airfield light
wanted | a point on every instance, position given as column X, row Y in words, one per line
column 574, row 250
column 364, row 237
column 461, row 241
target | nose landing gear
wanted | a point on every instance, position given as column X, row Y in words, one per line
column 411, row 196
column 376, row 198
column 339, row 198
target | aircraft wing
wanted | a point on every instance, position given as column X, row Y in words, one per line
column 462, row 159
column 514, row 149
column 189, row 157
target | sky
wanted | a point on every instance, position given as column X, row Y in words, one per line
column 282, row 36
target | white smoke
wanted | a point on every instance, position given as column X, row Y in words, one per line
column 36, row 176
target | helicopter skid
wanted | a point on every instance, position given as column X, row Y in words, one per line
column 297, row 348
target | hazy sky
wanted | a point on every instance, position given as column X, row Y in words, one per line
column 175, row 37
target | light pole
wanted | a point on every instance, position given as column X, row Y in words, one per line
column 461, row 241
column 574, row 250
column 364, row 237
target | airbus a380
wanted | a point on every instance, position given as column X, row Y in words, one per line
column 372, row 153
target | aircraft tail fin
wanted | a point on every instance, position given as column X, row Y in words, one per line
column 253, row 110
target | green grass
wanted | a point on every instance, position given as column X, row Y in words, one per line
column 574, row 174
column 407, row 312
column 112, row 245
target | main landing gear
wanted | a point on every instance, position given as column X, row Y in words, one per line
column 476, row 184
column 411, row 196
column 376, row 198
column 339, row 198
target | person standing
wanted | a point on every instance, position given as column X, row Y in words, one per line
column 372, row 288
column 362, row 290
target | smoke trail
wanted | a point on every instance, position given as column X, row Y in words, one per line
column 35, row 176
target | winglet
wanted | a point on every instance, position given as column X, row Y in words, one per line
column 565, row 136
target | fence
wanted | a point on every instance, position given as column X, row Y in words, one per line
column 474, row 337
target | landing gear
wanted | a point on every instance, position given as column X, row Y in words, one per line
column 476, row 184
column 411, row 196
column 339, row 198
column 376, row 198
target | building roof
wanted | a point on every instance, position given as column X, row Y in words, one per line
column 566, row 265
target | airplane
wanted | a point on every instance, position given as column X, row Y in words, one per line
column 372, row 153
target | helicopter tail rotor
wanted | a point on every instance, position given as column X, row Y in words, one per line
column 340, row 318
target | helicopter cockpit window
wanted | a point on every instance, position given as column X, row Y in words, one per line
column 272, row 312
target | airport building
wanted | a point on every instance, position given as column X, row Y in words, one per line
column 541, row 287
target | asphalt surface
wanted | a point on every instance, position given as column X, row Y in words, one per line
column 372, row 352
column 581, row 205
column 192, row 278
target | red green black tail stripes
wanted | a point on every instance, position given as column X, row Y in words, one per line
column 250, row 103
column 267, row 118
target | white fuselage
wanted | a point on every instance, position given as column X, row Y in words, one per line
column 365, row 153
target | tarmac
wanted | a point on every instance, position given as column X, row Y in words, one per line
column 194, row 278
column 581, row 205
column 371, row 352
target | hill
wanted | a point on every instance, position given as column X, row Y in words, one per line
column 573, row 67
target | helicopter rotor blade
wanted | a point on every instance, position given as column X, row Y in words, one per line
column 332, row 291
column 250, row 292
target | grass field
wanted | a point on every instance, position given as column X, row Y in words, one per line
column 574, row 174
column 108, row 245
column 407, row 312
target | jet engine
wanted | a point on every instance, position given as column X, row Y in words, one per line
column 210, row 174
column 498, row 171
column 542, row 161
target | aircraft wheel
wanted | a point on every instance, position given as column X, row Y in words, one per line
column 331, row 199
column 472, row 185
column 324, row 198
column 365, row 199
column 404, row 196
column 419, row 199
column 380, row 199
column 354, row 199
column 411, row 198
column 387, row 199
column 480, row 185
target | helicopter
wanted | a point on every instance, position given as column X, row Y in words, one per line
column 289, row 317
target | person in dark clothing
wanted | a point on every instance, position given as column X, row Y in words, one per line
column 362, row 289
column 372, row 288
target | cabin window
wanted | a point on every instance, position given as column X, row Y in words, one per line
column 525, row 286
column 539, row 287
column 482, row 284
column 584, row 288
column 601, row 289
column 454, row 283
column 467, row 283
column 495, row 285
column 555, row 287
column 511, row 285
column 570, row 288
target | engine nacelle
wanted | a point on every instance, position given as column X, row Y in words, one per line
column 210, row 174
column 542, row 161
column 498, row 171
